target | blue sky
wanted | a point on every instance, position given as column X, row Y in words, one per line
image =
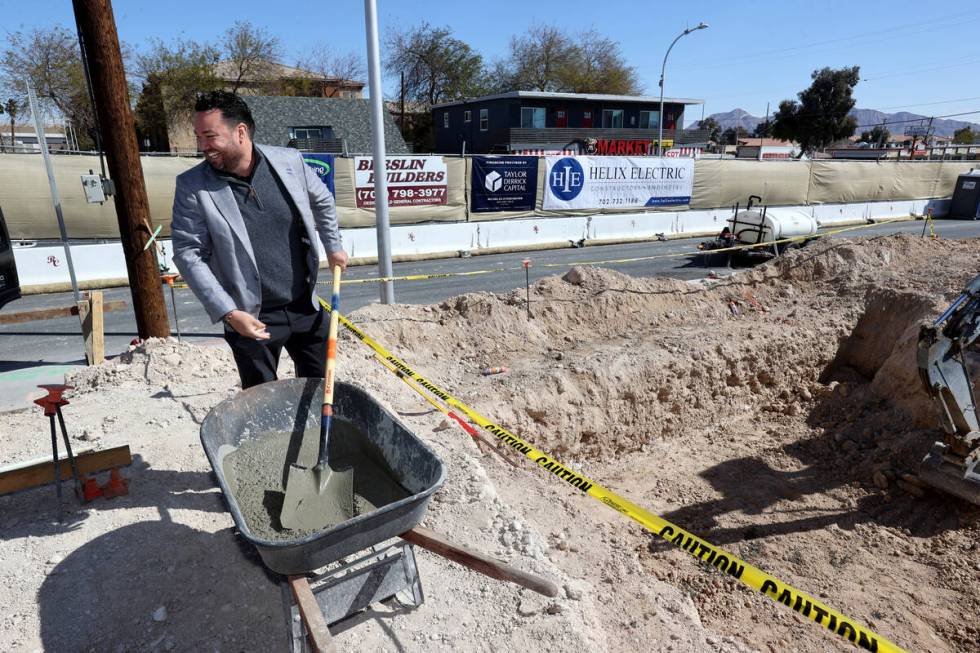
column 754, row 52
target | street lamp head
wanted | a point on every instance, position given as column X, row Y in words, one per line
column 702, row 26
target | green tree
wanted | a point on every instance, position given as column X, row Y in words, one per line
column 731, row 135
column 877, row 136
column 251, row 54
column 965, row 135
column 712, row 127
column 51, row 60
column 547, row 59
column 172, row 76
column 820, row 117
column 763, row 130
column 12, row 108
column 437, row 66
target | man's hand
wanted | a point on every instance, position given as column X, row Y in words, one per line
column 247, row 325
column 337, row 258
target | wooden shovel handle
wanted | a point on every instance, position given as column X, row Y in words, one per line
column 437, row 543
column 332, row 338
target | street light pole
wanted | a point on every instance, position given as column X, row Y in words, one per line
column 660, row 135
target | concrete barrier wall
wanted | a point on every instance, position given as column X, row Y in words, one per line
column 44, row 269
column 718, row 184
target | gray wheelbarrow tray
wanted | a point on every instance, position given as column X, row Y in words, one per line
column 293, row 405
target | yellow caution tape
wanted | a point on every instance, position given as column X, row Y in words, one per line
column 735, row 248
column 704, row 551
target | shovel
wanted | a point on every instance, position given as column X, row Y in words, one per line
column 322, row 496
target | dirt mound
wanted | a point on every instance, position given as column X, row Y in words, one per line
column 157, row 362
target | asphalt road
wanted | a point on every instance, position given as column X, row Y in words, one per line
column 58, row 342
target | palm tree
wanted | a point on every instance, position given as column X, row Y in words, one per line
column 12, row 107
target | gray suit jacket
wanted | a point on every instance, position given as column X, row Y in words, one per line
column 211, row 246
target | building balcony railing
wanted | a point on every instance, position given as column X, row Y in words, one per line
column 565, row 135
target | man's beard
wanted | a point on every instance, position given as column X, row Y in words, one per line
column 228, row 161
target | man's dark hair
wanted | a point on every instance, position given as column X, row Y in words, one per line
column 232, row 107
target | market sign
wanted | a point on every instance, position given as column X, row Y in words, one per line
column 412, row 181
column 621, row 147
column 592, row 182
column 503, row 183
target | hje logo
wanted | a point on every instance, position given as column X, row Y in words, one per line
column 567, row 179
column 493, row 181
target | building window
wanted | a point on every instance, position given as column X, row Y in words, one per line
column 649, row 119
column 445, row 120
column 484, row 119
column 612, row 118
column 466, row 116
column 532, row 117
column 311, row 133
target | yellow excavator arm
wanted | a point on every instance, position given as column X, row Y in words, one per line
column 953, row 465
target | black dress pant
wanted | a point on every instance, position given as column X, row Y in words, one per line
column 298, row 327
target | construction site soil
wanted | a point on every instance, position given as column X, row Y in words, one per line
column 777, row 413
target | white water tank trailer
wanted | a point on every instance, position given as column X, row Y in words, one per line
column 762, row 225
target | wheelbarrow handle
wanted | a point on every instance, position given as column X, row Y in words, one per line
column 437, row 543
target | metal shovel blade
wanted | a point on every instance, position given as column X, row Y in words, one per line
column 317, row 498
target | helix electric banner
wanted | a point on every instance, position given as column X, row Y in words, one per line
column 412, row 181
column 322, row 165
column 503, row 183
column 602, row 182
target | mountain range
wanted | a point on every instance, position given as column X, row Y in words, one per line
column 866, row 120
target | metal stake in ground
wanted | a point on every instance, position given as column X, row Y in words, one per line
column 169, row 280
column 527, row 284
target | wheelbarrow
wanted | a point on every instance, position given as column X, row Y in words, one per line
column 293, row 406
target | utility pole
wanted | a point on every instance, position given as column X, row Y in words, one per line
column 100, row 46
column 382, row 223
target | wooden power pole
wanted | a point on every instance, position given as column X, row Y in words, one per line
column 97, row 28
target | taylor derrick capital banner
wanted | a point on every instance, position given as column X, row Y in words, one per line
column 412, row 180
column 503, row 183
column 615, row 182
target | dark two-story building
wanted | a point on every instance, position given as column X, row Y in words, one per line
column 533, row 122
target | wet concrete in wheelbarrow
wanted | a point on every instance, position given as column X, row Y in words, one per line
column 257, row 470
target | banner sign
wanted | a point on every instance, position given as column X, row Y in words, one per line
column 504, row 183
column 412, row 181
column 592, row 182
column 322, row 165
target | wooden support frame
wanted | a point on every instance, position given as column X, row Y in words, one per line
column 309, row 610
column 484, row 564
column 55, row 313
column 90, row 314
column 34, row 473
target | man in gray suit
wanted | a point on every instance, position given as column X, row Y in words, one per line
column 244, row 229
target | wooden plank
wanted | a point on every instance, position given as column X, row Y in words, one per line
column 477, row 561
column 98, row 330
column 309, row 610
column 84, row 307
column 55, row 313
column 33, row 474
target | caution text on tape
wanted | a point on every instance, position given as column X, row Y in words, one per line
column 707, row 553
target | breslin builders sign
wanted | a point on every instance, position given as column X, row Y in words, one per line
column 412, row 181
column 607, row 182
column 504, row 183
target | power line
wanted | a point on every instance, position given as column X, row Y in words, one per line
column 929, row 104
column 917, row 27
column 918, row 72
